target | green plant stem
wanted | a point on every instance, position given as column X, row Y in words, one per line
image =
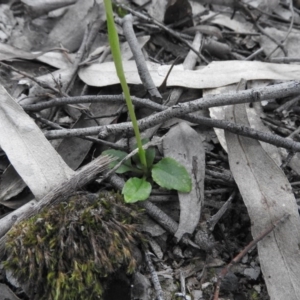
column 116, row 53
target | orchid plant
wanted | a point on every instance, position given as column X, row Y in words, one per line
column 167, row 173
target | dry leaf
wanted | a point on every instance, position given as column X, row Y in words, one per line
column 268, row 5
column 184, row 144
column 36, row 8
column 58, row 77
column 57, row 60
column 268, row 196
column 74, row 150
column 28, row 150
column 157, row 9
column 7, row 293
column 8, row 52
column 216, row 74
column 125, row 49
column 255, row 122
column 292, row 43
column 11, row 184
column 70, row 29
column 218, row 113
column 237, row 24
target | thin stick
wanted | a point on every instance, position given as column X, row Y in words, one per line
column 78, row 58
column 182, row 110
column 213, row 220
column 139, row 58
column 167, row 29
column 154, row 276
column 236, row 259
column 39, row 82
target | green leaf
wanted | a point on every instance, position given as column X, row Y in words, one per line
column 150, row 154
column 144, row 141
column 119, row 10
column 170, row 174
column 126, row 165
column 136, row 189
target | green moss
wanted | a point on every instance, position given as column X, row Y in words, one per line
column 211, row 273
column 254, row 295
column 70, row 251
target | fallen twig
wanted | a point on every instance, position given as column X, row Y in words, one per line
column 154, row 276
column 38, row 82
column 167, row 29
column 236, row 259
column 183, row 110
column 213, row 220
column 139, row 58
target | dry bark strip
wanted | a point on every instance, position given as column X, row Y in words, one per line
column 268, row 196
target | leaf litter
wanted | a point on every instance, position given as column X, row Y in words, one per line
column 239, row 184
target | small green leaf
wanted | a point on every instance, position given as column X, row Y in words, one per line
column 126, row 165
column 136, row 158
column 136, row 189
column 170, row 174
column 150, row 154
column 144, row 141
column 119, row 10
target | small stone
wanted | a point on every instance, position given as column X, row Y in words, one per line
column 197, row 294
column 252, row 273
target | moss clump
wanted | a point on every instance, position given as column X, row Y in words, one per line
column 70, row 250
column 254, row 295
